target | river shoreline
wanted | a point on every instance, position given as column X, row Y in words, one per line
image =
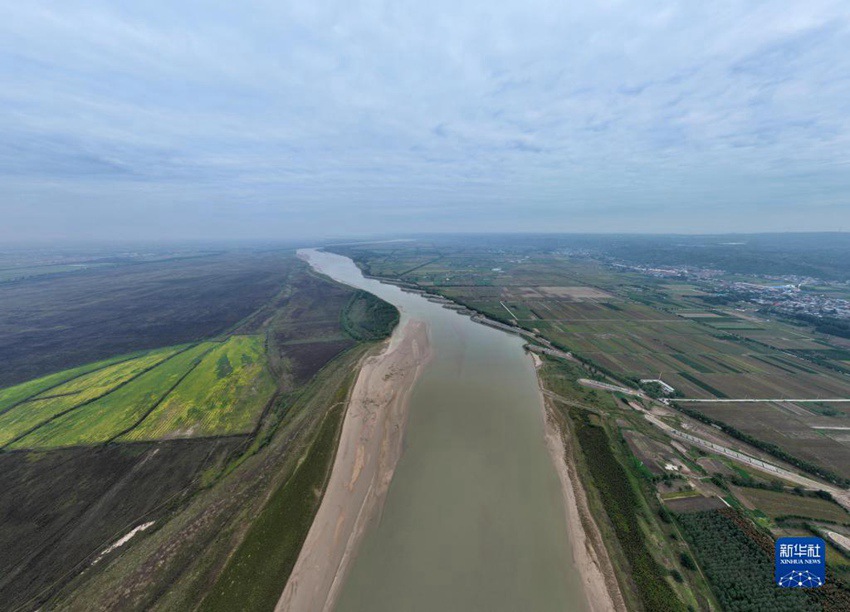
column 475, row 454
column 589, row 554
column 369, row 448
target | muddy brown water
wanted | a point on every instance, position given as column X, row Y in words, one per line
column 474, row 518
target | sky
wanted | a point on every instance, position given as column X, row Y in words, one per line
column 211, row 120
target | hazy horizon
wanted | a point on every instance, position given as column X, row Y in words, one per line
column 160, row 122
column 322, row 241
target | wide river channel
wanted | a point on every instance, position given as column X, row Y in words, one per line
column 474, row 518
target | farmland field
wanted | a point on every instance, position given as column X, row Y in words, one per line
column 12, row 396
column 207, row 389
column 633, row 327
column 777, row 504
column 188, row 407
column 62, row 507
column 50, row 324
column 77, row 392
column 224, row 394
column 776, row 424
column 110, row 415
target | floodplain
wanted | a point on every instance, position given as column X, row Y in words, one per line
column 142, row 438
column 700, row 411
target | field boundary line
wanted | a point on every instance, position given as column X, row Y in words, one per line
column 41, row 398
column 164, row 396
column 427, row 263
column 92, row 400
column 66, row 381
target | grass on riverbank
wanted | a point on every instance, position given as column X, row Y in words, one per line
column 623, row 505
column 779, row 504
column 366, row 317
column 620, row 502
column 254, row 577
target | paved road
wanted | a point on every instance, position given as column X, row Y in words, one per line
column 510, row 312
column 549, row 351
column 842, row 496
column 595, row 384
column 782, row 399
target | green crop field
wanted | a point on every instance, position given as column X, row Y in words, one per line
column 69, row 396
column 206, row 389
column 224, row 394
column 118, row 411
column 776, row 504
column 12, row 396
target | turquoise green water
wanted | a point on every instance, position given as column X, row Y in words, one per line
column 474, row 518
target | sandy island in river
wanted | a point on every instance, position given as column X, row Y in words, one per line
column 369, row 447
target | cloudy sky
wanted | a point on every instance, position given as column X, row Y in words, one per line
column 163, row 119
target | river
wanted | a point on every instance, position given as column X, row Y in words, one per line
column 474, row 518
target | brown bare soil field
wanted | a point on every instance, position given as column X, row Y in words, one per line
column 61, row 508
column 52, row 323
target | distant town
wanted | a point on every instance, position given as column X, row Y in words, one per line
column 790, row 295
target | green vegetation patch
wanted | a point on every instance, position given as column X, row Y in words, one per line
column 688, row 361
column 255, row 575
column 621, row 504
column 777, row 504
column 12, row 396
column 740, row 572
column 367, row 317
column 118, row 411
column 70, row 396
column 203, row 390
column 224, row 394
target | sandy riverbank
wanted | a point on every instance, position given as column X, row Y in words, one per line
column 589, row 554
column 369, row 448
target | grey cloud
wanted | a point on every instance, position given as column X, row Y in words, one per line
column 270, row 118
